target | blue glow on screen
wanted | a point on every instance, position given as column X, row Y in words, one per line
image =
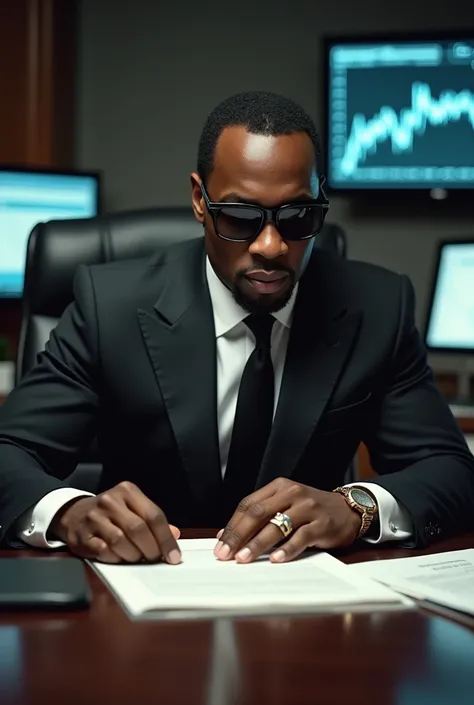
column 28, row 198
column 401, row 115
column 451, row 324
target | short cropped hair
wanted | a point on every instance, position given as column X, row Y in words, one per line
column 261, row 113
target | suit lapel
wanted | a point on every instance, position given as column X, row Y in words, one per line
column 318, row 347
column 180, row 338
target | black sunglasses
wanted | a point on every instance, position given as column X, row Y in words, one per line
column 242, row 222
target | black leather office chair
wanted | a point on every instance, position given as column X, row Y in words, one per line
column 56, row 248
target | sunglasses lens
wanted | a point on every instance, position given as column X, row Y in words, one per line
column 238, row 223
column 299, row 223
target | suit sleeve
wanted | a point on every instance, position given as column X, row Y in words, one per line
column 51, row 415
column 415, row 443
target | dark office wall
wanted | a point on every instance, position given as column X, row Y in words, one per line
column 150, row 72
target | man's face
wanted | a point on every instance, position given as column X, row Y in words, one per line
column 270, row 172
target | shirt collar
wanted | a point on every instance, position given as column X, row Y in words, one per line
column 228, row 313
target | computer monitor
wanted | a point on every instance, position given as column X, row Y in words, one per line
column 30, row 196
column 450, row 320
column 400, row 113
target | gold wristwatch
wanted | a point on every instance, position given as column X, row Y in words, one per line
column 363, row 502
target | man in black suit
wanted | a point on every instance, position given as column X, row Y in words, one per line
column 230, row 381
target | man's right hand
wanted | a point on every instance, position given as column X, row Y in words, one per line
column 119, row 525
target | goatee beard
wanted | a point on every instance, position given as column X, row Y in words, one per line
column 262, row 304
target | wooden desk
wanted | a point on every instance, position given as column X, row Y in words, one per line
column 99, row 656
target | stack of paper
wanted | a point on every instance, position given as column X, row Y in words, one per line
column 442, row 578
column 202, row 586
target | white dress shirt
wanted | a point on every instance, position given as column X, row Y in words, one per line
column 235, row 343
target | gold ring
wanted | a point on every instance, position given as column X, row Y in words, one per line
column 283, row 522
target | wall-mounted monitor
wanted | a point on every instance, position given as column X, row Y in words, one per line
column 400, row 113
column 30, row 196
column 450, row 320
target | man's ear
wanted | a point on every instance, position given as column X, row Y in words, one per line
column 197, row 198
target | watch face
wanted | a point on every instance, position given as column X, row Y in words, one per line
column 362, row 498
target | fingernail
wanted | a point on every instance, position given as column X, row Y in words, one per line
column 224, row 552
column 278, row 556
column 174, row 557
column 244, row 554
column 217, row 548
column 219, row 533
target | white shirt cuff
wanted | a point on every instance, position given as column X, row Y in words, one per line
column 395, row 521
column 33, row 525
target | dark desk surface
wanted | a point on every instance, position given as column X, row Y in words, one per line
column 99, row 656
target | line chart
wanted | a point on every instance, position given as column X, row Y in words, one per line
column 400, row 128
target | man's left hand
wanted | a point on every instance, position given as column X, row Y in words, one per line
column 318, row 519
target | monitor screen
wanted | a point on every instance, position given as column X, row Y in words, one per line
column 450, row 325
column 400, row 114
column 30, row 197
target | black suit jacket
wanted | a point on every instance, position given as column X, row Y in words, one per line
column 133, row 361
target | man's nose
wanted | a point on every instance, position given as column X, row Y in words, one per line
column 269, row 243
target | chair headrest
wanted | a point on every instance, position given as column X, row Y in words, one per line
column 58, row 247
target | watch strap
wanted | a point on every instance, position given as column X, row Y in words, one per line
column 367, row 516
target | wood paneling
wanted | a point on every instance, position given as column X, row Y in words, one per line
column 13, row 74
column 10, row 318
column 37, row 81
column 37, row 89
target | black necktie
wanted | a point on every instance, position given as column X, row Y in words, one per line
column 253, row 417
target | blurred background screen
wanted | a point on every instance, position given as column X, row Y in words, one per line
column 400, row 114
column 30, row 197
column 450, row 325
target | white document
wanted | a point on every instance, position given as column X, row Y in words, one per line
column 202, row 586
column 442, row 578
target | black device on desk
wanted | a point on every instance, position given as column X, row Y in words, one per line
column 43, row 583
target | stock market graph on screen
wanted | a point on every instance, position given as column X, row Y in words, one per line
column 401, row 115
